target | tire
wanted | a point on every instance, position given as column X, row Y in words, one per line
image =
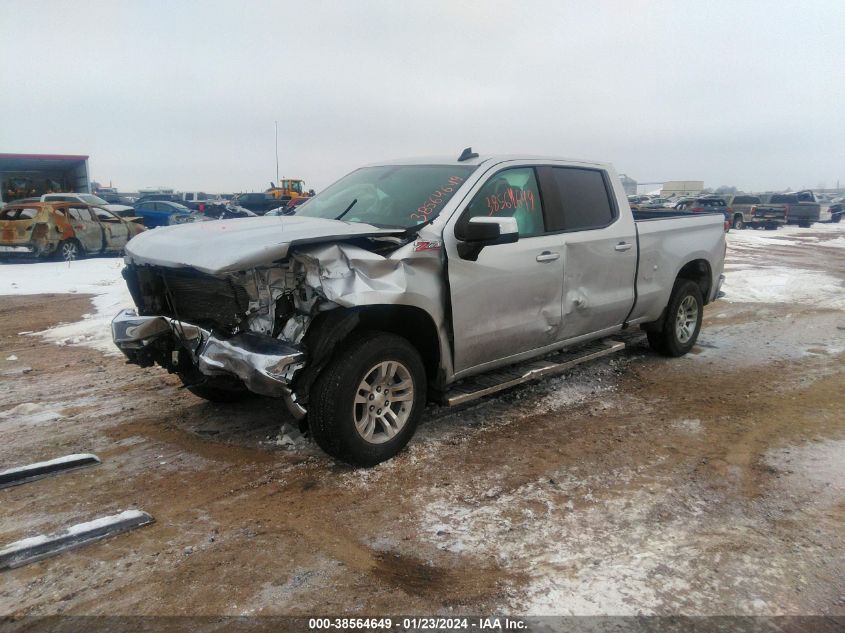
column 70, row 250
column 804, row 225
column 676, row 339
column 837, row 218
column 738, row 223
column 360, row 373
column 771, row 227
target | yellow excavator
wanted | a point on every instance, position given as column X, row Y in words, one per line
column 288, row 189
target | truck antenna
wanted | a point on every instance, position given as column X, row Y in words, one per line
column 467, row 154
column 277, row 151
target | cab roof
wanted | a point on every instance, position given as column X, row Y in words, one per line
column 484, row 159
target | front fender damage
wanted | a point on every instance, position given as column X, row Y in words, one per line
column 293, row 318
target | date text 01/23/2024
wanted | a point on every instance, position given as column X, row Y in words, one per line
column 417, row 624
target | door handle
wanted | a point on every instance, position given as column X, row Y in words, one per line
column 623, row 246
column 547, row 256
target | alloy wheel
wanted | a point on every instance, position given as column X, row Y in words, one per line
column 383, row 402
column 686, row 319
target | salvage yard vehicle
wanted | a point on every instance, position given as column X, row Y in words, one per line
column 258, row 203
column 68, row 230
column 163, row 213
column 799, row 208
column 412, row 281
column 705, row 204
column 746, row 211
column 87, row 199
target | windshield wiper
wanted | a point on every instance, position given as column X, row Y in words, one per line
column 348, row 209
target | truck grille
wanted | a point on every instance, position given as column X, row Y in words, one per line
column 188, row 295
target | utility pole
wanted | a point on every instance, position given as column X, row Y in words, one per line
column 277, row 153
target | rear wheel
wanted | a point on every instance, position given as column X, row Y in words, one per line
column 70, row 250
column 365, row 405
column 738, row 222
column 682, row 321
column 804, row 225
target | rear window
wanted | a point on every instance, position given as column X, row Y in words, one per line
column 584, row 199
column 783, row 199
column 27, row 213
column 746, row 200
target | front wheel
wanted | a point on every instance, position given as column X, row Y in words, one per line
column 365, row 405
column 682, row 321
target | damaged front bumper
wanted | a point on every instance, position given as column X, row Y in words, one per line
column 265, row 365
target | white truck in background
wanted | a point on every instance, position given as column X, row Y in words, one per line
column 33, row 175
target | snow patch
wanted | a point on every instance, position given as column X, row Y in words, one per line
column 777, row 284
column 839, row 242
column 31, row 413
column 99, row 277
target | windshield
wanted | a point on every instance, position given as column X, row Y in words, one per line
column 394, row 196
column 87, row 198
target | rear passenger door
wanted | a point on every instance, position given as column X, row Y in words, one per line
column 86, row 228
column 599, row 247
column 114, row 229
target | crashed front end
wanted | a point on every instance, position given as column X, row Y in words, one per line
column 221, row 308
column 247, row 325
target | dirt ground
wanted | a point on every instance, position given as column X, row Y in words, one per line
column 710, row 484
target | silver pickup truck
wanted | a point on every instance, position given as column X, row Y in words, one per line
column 416, row 280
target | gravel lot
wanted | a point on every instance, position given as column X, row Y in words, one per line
column 710, row 484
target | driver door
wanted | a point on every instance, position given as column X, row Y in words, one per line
column 508, row 300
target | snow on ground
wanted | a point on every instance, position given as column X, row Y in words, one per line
column 750, row 280
column 99, row 277
column 30, row 413
column 776, row 284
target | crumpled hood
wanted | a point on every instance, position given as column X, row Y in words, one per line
column 239, row 244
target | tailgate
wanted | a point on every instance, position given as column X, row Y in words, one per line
column 768, row 212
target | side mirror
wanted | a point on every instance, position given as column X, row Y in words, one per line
column 488, row 230
column 482, row 231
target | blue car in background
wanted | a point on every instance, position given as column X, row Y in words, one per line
column 163, row 213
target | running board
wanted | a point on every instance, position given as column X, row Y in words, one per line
column 39, row 470
column 29, row 550
column 494, row 381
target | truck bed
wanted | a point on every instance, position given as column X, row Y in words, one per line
column 667, row 242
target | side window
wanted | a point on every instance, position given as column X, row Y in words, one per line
column 584, row 198
column 83, row 215
column 102, row 214
column 511, row 193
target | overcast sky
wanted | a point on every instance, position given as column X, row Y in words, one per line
column 185, row 94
